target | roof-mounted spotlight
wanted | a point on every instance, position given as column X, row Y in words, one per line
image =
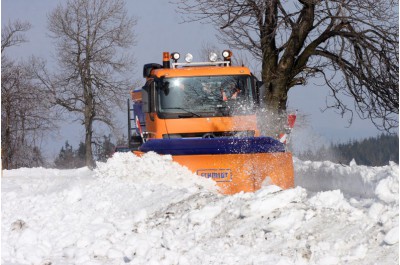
column 227, row 54
column 213, row 57
column 188, row 58
column 175, row 56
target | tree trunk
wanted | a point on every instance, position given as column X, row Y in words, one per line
column 273, row 114
column 5, row 151
column 88, row 141
column 276, row 96
column 89, row 116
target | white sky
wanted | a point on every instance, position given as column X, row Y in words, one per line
column 159, row 29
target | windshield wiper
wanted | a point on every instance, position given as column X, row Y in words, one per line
column 186, row 115
column 223, row 109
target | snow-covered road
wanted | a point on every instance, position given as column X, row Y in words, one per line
column 150, row 210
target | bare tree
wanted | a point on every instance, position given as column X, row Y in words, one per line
column 25, row 115
column 352, row 45
column 91, row 38
column 14, row 34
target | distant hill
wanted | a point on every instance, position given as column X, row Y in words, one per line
column 374, row 151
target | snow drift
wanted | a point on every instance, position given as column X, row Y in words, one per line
column 150, row 210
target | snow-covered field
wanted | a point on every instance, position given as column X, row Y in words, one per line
column 150, row 210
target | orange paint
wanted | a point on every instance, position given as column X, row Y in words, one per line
column 201, row 71
column 157, row 127
column 245, row 172
column 234, row 173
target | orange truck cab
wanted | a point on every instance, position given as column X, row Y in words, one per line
column 203, row 114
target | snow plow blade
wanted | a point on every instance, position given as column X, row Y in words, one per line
column 234, row 173
column 235, row 164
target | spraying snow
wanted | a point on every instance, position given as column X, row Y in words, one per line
column 150, row 210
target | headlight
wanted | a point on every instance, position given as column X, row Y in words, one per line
column 188, row 58
column 213, row 57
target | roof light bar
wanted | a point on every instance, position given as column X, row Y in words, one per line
column 213, row 59
column 217, row 63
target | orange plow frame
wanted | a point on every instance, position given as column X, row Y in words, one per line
column 234, row 173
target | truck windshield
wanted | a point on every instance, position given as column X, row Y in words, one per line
column 205, row 96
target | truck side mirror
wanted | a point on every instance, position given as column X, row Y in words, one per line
column 146, row 99
column 258, row 89
column 259, row 84
column 261, row 90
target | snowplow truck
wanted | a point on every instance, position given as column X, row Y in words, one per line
column 203, row 114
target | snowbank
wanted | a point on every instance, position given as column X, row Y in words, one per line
column 150, row 210
column 151, row 169
column 353, row 180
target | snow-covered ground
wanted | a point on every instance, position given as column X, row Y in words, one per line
column 150, row 210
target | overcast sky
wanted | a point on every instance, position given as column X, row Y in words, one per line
column 159, row 29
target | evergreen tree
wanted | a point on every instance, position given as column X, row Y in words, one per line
column 37, row 158
column 122, row 141
column 66, row 157
column 374, row 151
column 80, row 155
column 105, row 149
